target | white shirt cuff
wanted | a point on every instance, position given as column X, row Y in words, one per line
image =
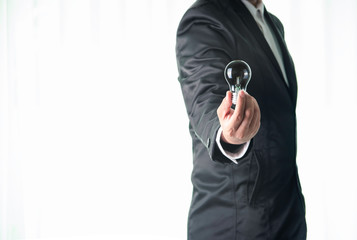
column 232, row 156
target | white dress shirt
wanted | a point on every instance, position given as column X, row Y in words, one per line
column 258, row 14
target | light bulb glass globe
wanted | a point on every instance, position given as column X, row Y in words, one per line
column 237, row 74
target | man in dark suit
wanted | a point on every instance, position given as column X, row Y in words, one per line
column 245, row 179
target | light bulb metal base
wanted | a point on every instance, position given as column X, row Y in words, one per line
column 235, row 92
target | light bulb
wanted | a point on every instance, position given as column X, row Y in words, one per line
column 237, row 74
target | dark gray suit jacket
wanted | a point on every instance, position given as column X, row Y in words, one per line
column 260, row 198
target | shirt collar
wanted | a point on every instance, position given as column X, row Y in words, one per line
column 252, row 9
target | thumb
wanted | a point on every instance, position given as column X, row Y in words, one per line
column 228, row 100
column 225, row 105
column 240, row 107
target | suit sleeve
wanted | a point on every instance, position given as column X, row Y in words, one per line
column 203, row 49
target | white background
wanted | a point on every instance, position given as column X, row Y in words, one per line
column 94, row 139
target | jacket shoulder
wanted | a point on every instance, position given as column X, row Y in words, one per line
column 208, row 11
column 203, row 3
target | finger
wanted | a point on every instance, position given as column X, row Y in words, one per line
column 249, row 108
column 255, row 124
column 244, row 127
column 240, row 107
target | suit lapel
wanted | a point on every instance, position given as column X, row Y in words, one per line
column 249, row 21
column 288, row 63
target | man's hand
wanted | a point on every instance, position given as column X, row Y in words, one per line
column 239, row 125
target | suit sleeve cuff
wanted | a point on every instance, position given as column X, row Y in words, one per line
column 233, row 156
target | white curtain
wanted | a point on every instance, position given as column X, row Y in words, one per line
column 93, row 131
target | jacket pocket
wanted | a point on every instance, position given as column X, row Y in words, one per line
column 254, row 182
column 299, row 192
